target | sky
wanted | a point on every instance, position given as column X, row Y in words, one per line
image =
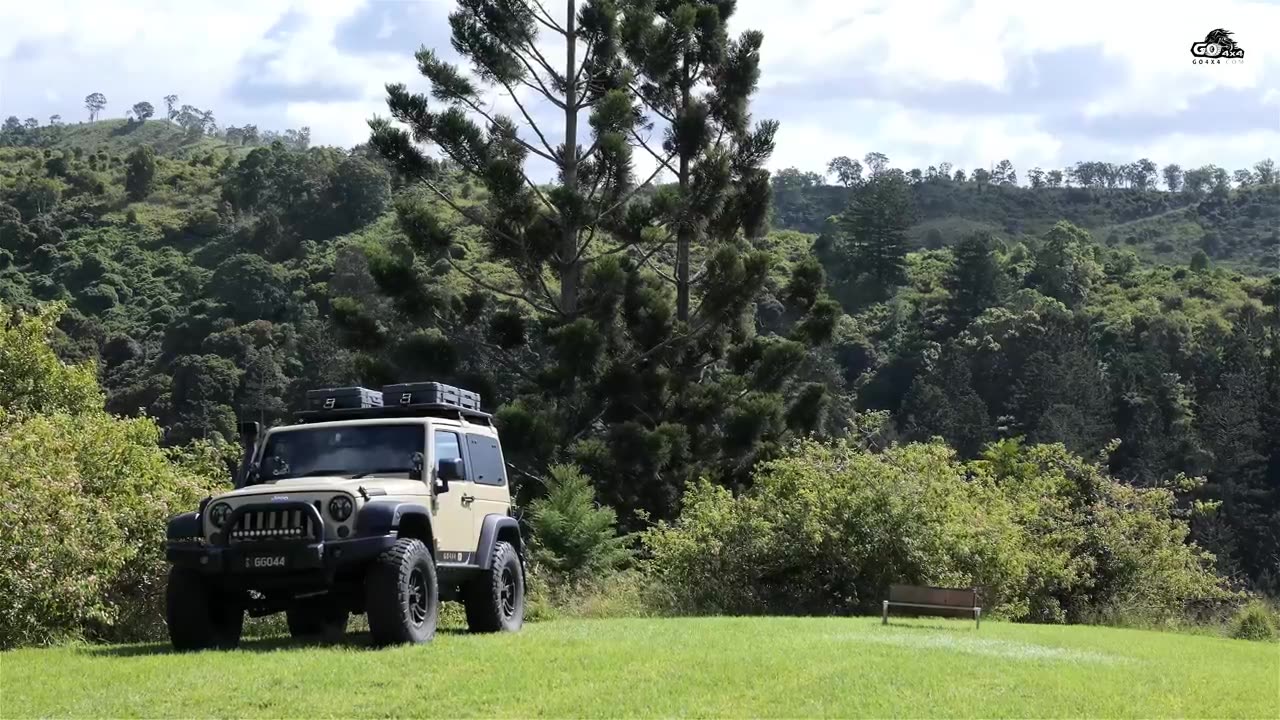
column 968, row 82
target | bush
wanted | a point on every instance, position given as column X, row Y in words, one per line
column 572, row 536
column 826, row 528
column 83, row 500
column 1255, row 621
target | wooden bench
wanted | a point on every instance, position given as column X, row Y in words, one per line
column 946, row 602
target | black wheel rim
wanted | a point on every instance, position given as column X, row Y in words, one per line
column 418, row 600
column 507, row 595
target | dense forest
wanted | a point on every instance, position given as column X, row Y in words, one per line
column 694, row 324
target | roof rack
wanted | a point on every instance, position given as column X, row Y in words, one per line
column 442, row 410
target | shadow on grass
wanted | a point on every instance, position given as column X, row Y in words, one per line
column 353, row 641
column 933, row 625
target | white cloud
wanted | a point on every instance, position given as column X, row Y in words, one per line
column 56, row 51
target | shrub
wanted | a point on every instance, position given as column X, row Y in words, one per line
column 83, row 500
column 826, row 528
column 1255, row 621
column 572, row 536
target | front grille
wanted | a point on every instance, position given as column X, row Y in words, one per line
column 258, row 525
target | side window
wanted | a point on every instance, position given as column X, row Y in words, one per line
column 448, row 448
column 486, row 460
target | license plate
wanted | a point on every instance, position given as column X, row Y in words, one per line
column 264, row 562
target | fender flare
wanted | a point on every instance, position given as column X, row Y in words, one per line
column 379, row 517
column 184, row 527
column 489, row 529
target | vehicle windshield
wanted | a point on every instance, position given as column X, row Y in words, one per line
column 350, row 451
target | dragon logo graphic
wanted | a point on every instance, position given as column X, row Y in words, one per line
column 1217, row 44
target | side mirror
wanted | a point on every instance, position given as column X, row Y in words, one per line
column 447, row 470
column 249, row 447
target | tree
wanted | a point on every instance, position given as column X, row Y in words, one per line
column 959, row 175
column 360, row 191
column 572, row 536
column 549, row 229
column 1244, row 178
column 974, row 280
column 140, row 172
column 1065, row 268
column 55, row 120
column 877, row 163
column 1199, row 261
column 1266, row 171
column 143, row 110
column 298, row 139
column 874, row 228
column 848, row 172
column 1036, row 176
column 31, row 124
column 1004, row 174
column 1142, row 174
column 1172, row 177
column 1198, row 180
column 94, row 103
column 981, row 177
column 1054, row 178
column 170, row 102
column 698, row 81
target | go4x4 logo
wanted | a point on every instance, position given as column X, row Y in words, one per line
column 1216, row 47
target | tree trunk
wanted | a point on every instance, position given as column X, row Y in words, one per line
column 569, row 265
column 684, row 232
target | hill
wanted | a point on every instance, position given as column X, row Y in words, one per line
column 118, row 137
column 742, row 667
column 212, row 282
column 1238, row 228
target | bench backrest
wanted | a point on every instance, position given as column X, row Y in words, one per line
column 925, row 595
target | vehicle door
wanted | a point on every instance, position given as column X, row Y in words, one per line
column 454, row 521
column 489, row 478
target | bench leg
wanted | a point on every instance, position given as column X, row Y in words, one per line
column 884, row 613
column 977, row 618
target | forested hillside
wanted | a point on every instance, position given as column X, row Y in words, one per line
column 212, row 278
column 1202, row 210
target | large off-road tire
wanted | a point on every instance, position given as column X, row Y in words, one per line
column 402, row 598
column 199, row 618
column 317, row 619
column 495, row 600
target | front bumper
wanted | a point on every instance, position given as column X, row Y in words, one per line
column 328, row 558
column 305, row 562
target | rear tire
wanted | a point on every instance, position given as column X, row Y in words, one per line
column 199, row 618
column 495, row 600
column 317, row 619
column 402, row 598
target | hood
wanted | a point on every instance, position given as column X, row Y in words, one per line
column 321, row 484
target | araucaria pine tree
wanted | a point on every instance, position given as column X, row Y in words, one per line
column 695, row 84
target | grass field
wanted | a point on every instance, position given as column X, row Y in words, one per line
column 696, row 667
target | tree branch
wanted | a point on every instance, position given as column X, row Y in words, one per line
column 546, row 18
column 494, row 289
column 476, row 107
column 632, row 193
column 654, row 108
column 664, row 162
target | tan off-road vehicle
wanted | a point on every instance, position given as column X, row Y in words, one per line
column 356, row 508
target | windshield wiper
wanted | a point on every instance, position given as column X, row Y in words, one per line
column 381, row 471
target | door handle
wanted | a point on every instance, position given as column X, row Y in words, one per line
column 468, row 499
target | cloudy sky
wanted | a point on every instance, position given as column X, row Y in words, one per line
column 969, row 82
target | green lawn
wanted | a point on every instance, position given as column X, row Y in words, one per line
column 696, row 667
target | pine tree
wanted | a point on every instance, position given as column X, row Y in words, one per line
column 874, row 229
column 696, row 82
column 534, row 227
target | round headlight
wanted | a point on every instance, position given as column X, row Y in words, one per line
column 340, row 508
column 219, row 513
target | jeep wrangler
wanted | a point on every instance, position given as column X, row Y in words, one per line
column 354, row 508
